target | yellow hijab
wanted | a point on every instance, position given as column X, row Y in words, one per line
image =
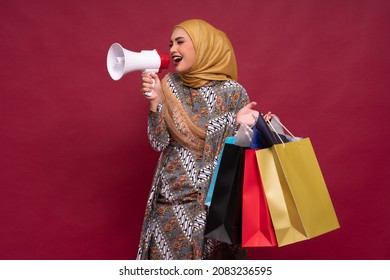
column 215, row 58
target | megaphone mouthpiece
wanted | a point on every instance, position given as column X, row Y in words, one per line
column 121, row 61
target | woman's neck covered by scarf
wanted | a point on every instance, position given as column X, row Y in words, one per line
column 180, row 124
column 215, row 60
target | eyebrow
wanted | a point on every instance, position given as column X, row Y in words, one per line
column 177, row 39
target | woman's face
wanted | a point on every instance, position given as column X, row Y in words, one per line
column 182, row 50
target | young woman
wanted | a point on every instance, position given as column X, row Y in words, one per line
column 191, row 113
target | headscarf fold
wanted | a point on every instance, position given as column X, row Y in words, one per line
column 182, row 128
column 214, row 54
column 214, row 60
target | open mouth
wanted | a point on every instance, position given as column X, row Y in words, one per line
column 177, row 59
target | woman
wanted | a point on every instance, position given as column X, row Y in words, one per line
column 191, row 114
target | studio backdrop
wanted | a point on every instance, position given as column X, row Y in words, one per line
column 75, row 162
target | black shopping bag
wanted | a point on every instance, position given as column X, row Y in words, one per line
column 224, row 219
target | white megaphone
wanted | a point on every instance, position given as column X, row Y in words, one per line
column 121, row 61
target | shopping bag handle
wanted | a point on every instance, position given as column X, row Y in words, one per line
column 277, row 134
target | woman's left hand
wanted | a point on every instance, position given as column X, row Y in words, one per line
column 247, row 115
column 267, row 117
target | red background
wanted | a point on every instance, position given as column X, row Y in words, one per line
column 75, row 163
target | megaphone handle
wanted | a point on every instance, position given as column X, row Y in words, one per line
column 150, row 93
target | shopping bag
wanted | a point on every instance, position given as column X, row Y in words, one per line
column 265, row 134
column 257, row 229
column 263, row 137
column 243, row 135
column 223, row 221
column 297, row 196
column 228, row 140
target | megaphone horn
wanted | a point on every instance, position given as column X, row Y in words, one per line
column 121, row 61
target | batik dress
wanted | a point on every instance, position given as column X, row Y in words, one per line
column 175, row 214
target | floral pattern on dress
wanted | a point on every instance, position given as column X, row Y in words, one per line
column 175, row 212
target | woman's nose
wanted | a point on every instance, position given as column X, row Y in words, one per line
column 172, row 49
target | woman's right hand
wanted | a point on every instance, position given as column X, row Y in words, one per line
column 151, row 89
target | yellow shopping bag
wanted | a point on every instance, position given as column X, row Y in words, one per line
column 297, row 196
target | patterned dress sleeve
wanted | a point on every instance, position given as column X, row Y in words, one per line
column 238, row 99
column 158, row 133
